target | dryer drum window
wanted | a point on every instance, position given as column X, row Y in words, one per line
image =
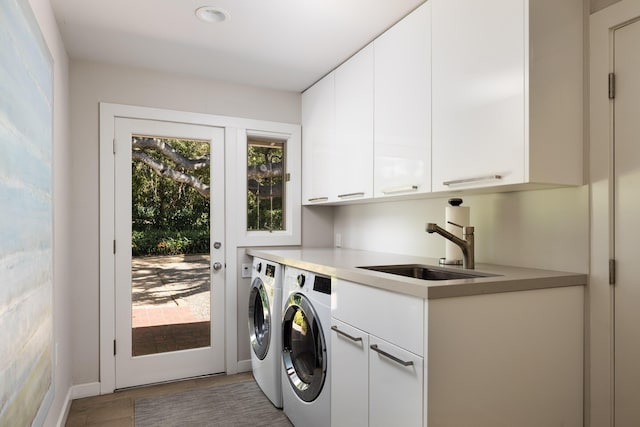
column 259, row 319
column 304, row 348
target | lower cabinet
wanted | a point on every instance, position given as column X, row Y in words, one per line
column 349, row 376
column 395, row 385
column 373, row 382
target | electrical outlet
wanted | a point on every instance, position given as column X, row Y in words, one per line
column 246, row 270
column 338, row 240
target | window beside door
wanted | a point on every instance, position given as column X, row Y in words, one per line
column 265, row 184
column 270, row 182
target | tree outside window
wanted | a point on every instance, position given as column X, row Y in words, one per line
column 265, row 184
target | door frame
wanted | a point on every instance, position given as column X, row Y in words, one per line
column 235, row 185
column 599, row 362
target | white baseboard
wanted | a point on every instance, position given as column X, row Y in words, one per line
column 244, row 365
column 85, row 390
column 62, row 419
column 76, row 392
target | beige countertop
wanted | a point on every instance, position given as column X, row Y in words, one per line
column 344, row 263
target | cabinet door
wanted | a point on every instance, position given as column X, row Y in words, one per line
column 353, row 168
column 402, row 124
column 349, row 376
column 395, row 390
column 479, row 98
column 318, row 140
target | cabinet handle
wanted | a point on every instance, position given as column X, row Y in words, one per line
column 358, row 194
column 470, row 180
column 375, row 348
column 318, row 199
column 405, row 189
column 344, row 334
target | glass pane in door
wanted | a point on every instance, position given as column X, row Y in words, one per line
column 170, row 266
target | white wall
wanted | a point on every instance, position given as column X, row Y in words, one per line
column 61, row 208
column 546, row 229
column 92, row 83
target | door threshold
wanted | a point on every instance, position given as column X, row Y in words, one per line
column 197, row 377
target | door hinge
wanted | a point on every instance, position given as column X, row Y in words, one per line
column 288, row 177
column 612, row 85
column 612, row 271
column 114, row 146
column 114, row 347
column 114, row 247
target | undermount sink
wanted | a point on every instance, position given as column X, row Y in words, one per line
column 425, row 272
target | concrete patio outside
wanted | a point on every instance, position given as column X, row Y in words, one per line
column 170, row 303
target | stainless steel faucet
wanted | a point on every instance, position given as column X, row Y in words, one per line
column 466, row 244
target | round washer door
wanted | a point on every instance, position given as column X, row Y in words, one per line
column 304, row 350
column 259, row 319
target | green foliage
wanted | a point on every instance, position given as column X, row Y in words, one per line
column 169, row 217
column 158, row 242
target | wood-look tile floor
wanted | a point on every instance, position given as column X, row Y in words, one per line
column 116, row 409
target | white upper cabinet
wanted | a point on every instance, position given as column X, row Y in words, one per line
column 460, row 94
column 337, row 133
column 366, row 127
column 507, row 93
column 353, row 170
column 318, row 141
column 402, row 119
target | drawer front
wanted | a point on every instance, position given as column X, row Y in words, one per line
column 397, row 318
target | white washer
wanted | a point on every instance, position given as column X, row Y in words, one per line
column 265, row 328
column 306, row 323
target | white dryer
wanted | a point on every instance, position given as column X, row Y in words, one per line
column 265, row 328
column 306, row 323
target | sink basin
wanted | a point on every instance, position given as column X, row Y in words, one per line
column 425, row 272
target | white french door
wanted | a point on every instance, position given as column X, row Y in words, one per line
column 169, row 306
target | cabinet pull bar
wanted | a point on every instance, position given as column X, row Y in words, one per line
column 469, row 180
column 344, row 334
column 358, row 194
column 318, row 199
column 405, row 189
column 375, row 348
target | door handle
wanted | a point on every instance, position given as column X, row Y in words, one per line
column 217, row 266
column 217, row 245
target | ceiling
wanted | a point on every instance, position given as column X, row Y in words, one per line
column 278, row 44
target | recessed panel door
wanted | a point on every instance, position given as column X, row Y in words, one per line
column 627, row 213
